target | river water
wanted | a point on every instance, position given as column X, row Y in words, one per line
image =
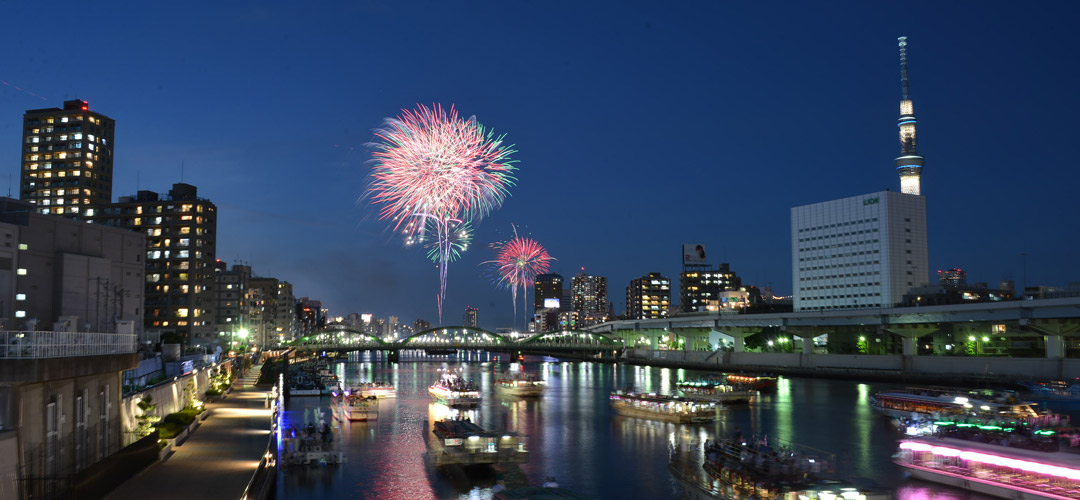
column 574, row 435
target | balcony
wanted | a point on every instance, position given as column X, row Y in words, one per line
column 43, row 345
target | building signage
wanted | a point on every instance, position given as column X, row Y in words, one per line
column 693, row 254
column 871, row 201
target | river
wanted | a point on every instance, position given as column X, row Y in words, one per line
column 576, row 438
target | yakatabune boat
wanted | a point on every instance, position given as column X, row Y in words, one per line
column 665, row 408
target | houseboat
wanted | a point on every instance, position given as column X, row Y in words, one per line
column 664, row 408
column 1031, row 466
column 753, row 469
column 715, row 389
column 454, row 390
column 520, row 384
column 381, row 390
column 915, row 405
column 355, row 407
column 463, row 443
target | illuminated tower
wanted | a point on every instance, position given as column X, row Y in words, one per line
column 909, row 164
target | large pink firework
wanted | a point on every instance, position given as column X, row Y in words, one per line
column 437, row 174
column 517, row 264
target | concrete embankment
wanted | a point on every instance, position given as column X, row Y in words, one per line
column 887, row 368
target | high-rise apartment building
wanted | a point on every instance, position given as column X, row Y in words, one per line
column 546, row 287
column 181, row 242
column 702, row 285
column 285, row 312
column 420, row 325
column 588, row 294
column 67, row 160
column 471, row 317
column 648, row 297
column 231, row 300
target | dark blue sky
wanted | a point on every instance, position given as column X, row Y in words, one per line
column 640, row 126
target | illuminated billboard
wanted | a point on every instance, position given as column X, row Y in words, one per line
column 693, row 253
column 551, row 303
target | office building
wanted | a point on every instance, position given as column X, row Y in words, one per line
column 181, row 242
column 67, row 160
column 953, row 278
column 700, row 285
column 231, row 301
column 860, row 252
column 470, row 318
column 285, row 312
column 648, row 297
column 547, row 288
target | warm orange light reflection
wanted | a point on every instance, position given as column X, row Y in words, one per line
column 241, row 413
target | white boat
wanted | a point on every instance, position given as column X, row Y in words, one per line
column 454, row 390
column 520, row 384
column 992, row 469
column 358, row 408
column 381, row 390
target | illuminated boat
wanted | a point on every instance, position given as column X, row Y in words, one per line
column 992, row 469
column 752, row 382
column 453, row 390
column 957, row 404
column 520, row 384
column 462, row 442
column 713, row 389
column 356, row 407
column 664, row 408
column 733, row 469
column 381, row 390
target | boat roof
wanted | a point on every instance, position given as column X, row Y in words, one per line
column 463, row 428
column 1058, row 458
column 538, row 493
column 948, row 399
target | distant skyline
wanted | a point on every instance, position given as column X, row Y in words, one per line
column 639, row 127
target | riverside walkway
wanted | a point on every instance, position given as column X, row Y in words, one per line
column 217, row 460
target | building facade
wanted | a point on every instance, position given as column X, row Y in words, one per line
column 231, row 301
column 471, row 317
column 860, row 252
column 546, row 286
column 589, row 297
column 67, row 160
column 181, row 243
column 698, row 287
column 648, row 297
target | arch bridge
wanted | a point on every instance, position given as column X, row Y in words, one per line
column 341, row 338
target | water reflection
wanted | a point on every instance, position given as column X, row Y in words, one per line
column 574, row 435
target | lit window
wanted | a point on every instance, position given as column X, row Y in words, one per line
column 21, row 271
column 182, row 312
column 20, row 296
column 24, row 246
column 20, row 314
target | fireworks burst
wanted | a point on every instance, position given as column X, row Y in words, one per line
column 435, row 175
column 516, row 265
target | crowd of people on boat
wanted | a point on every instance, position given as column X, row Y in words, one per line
column 1024, row 438
column 455, row 382
column 756, row 456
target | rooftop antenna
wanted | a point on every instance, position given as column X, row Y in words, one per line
column 903, row 65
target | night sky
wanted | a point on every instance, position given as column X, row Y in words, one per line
column 640, row 127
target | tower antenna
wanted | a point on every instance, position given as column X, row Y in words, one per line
column 903, row 65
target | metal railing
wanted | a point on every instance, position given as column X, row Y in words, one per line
column 39, row 344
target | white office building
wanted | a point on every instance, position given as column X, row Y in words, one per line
column 860, row 252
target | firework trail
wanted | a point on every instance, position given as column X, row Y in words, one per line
column 516, row 265
column 436, row 174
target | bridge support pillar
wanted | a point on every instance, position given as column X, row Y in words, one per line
column 909, row 335
column 392, row 356
column 806, row 333
column 1054, row 331
column 1055, row 346
column 738, row 334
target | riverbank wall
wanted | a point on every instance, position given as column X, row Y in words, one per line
column 946, row 370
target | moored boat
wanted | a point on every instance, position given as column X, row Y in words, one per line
column 665, row 408
column 752, row 382
column 454, row 390
column 520, row 384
